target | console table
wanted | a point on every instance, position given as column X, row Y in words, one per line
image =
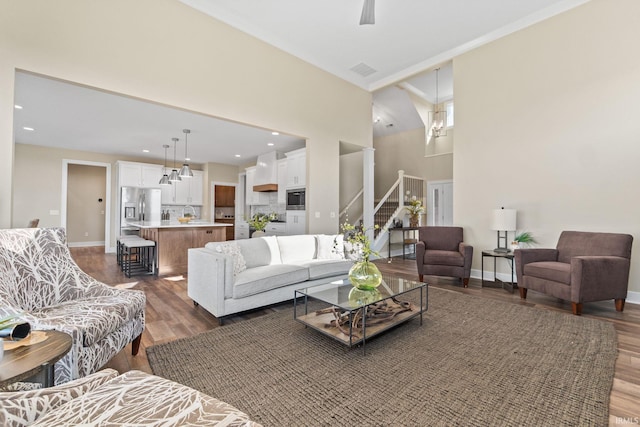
column 497, row 283
column 406, row 241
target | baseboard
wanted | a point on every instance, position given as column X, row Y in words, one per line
column 84, row 244
column 632, row 296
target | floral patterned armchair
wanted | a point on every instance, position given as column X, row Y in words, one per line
column 39, row 278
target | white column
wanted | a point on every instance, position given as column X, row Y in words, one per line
column 368, row 201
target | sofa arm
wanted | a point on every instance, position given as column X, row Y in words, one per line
column 420, row 249
column 22, row 408
column 526, row 256
column 210, row 278
column 594, row 278
column 467, row 253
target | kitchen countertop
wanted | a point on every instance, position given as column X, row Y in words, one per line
column 176, row 224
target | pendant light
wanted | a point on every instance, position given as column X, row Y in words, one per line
column 438, row 118
column 185, row 171
column 165, row 178
column 174, row 173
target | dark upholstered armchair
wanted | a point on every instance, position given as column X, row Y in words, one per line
column 440, row 251
column 584, row 267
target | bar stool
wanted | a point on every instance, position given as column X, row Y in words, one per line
column 138, row 257
column 120, row 245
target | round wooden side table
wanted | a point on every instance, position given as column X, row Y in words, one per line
column 34, row 355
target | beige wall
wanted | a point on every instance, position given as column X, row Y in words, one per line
column 405, row 151
column 166, row 52
column 86, row 186
column 547, row 123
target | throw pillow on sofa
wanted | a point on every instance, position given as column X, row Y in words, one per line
column 232, row 248
column 330, row 246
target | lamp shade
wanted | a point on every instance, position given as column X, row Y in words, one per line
column 503, row 220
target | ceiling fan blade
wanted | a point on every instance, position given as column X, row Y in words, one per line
column 368, row 13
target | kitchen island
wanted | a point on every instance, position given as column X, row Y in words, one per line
column 173, row 240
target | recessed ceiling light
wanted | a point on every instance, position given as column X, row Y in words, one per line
column 145, row 151
column 18, row 107
column 271, row 144
column 275, row 133
column 187, row 158
column 237, row 155
column 28, row 128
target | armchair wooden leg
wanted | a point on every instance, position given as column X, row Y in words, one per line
column 576, row 307
column 465, row 282
column 420, row 278
column 135, row 345
column 523, row 293
column 619, row 304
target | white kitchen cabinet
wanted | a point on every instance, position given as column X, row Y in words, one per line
column 254, row 197
column 275, row 229
column 241, row 230
column 189, row 191
column 282, row 181
column 296, row 222
column 132, row 174
column 297, row 168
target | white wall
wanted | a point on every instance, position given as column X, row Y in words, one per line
column 547, row 123
column 166, row 52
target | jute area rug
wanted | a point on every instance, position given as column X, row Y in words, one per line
column 473, row 362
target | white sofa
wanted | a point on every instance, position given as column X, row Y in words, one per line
column 239, row 275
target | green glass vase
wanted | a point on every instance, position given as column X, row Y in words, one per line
column 365, row 275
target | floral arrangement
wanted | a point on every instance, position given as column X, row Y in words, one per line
column 415, row 206
column 525, row 237
column 360, row 243
column 260, row 220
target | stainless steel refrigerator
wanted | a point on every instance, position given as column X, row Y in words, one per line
column 139, row 204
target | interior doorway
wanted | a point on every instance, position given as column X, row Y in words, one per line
column 86, row 203
column 440, row 203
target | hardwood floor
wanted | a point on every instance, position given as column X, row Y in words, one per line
column 170, row 314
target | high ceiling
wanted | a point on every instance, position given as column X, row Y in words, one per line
column 408, row 37
column 408, row 40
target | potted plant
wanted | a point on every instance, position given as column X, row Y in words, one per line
column 414, row 208
column 524, row 238
column 259, row 221
column 364, row 274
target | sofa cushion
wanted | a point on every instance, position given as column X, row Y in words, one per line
column 256, row 252
column 320, row 268
column 549, row 270
column 92, row 318
column 330, row 246
column 297, row 248
column 260, row 279
column 438, row 257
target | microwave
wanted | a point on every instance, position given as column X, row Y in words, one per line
column 296, row 200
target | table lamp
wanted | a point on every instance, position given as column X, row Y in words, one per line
column 503, row 220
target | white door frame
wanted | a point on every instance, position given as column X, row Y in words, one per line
column 107, row 211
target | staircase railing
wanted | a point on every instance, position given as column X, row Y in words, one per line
column 390, row 206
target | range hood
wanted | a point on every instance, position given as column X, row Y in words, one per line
column 266, row 178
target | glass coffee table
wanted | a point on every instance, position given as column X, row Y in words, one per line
column 352, row 316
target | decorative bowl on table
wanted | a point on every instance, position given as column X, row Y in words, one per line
column 184, row 219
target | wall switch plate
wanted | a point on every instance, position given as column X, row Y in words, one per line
column 317, row 214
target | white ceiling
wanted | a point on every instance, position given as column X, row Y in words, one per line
column 408, row 37
column 408, row 40
column 65, row 115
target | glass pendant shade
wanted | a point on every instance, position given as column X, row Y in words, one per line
column 185, row 171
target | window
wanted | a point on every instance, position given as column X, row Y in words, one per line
column 449, row 108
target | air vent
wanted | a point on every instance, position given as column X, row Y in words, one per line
column 363, row 69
